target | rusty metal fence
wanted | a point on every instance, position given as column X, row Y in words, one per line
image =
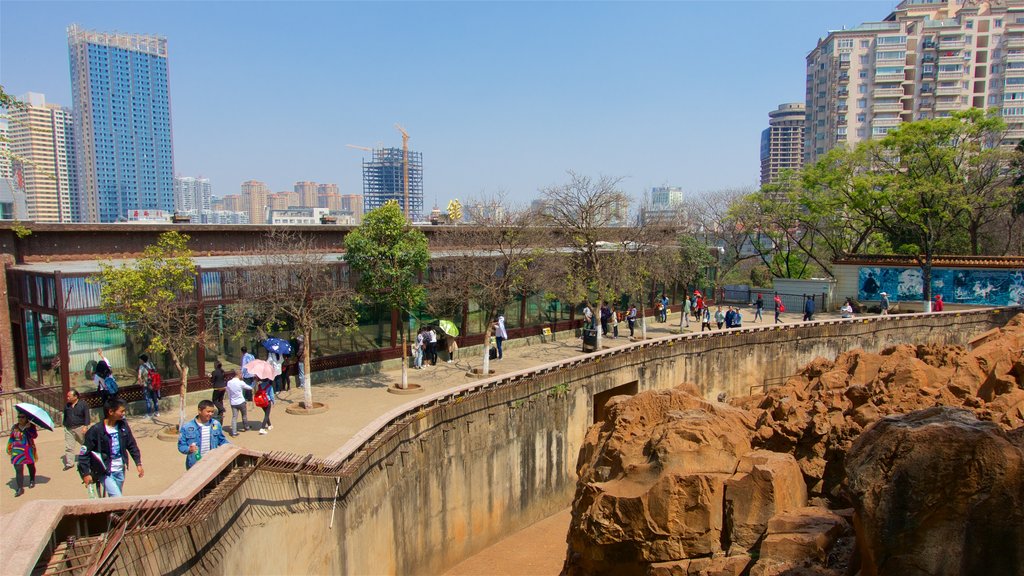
column 49, row 398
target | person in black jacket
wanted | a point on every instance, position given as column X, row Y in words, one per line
column 76, row 423
column 107, row 444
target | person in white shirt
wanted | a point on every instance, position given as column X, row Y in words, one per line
column 236, row 397
column 500, row 334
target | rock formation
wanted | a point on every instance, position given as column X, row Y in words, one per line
column 672, row 484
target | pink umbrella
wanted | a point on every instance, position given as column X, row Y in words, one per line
column 261, row 369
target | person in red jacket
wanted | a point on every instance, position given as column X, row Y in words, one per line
column 938, row 303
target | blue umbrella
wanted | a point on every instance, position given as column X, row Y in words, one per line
column 277, row 345
column 35, row 414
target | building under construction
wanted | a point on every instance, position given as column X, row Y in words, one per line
column 383, row 180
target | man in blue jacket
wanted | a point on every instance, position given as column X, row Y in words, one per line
column 809, row 309
column 200, row 435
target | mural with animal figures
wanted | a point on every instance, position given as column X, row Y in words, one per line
column 957, row 285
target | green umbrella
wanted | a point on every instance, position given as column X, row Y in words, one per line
column 449, row 327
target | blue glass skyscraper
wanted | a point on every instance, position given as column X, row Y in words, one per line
column 124, row 152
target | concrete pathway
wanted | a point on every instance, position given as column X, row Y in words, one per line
column 353, row 403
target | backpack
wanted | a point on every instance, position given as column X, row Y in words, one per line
column 261, row 399
column 153, row 380
column 110, row 384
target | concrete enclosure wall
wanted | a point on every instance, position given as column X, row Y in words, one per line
column 437, row 481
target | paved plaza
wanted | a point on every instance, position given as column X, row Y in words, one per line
column 354, row 403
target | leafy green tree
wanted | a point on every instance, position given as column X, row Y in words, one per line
column 154, row 298
column 388, row 255
column 933, row 184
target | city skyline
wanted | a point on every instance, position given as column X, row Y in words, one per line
column 500, row 96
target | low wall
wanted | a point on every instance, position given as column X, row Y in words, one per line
column 439, row 479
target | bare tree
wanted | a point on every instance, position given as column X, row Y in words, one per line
column 501, row 268
column 294, row 278
column 715, row 225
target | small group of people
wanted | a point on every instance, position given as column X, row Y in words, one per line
column 610, row 317
column 426, row 342
column 661, row 308
column 732, row 318
column 147, row 377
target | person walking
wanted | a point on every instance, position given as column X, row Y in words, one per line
column 809, row 309
column 144, row 380
column 248, row 377
column 664, row 307
column 236, row 388
column 684, row 318
column 266, row 386
column 779, row 307
column 719, row 318
column 201, row 434
column 219, row 384
column 705, row 318
column 606, row 315
column 500, row 334
column 277, row 361
column 613, row 321
column 21, row 447
column 108, row 443
column 884, row 303
column 418, row 346
column 431, row 337
column 758, row 307
column 631, row 319
column 76, row 422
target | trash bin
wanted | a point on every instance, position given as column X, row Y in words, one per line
column 589, row 340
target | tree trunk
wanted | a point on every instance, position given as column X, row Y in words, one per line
column 183, row 393
column 926, row 278
column 307, row 389
column 405, row 361
column 643, row 320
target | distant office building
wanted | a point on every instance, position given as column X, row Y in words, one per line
column 483, row 212
column 307, row 194
column 782, row 142
column 192, row 195
column 232, row 203
column 284, row 200
column 254, row 200
column 122, row 112
column 298, row 216
column 225, row 217
column 5, row 150
column 665, row 205
column 40, row 138
column 926, row 59
column 383, row 180
column 352, row 204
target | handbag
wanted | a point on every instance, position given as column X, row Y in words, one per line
column 261, row 399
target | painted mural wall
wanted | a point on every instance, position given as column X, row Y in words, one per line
column 957, row 285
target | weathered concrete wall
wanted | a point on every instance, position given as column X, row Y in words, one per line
column 445, row 476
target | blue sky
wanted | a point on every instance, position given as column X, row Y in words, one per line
column 498, row 96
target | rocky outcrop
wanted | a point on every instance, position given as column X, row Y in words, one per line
column 670, row 485
column 937, row 492
column 817, row 414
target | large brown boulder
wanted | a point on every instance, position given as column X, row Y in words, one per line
column 765, row 484
column 652, row 483
column 937, row 492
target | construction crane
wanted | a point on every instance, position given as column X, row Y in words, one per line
column 405, row 167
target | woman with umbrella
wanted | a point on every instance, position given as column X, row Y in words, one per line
column 21, row 447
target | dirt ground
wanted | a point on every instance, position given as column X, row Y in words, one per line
column 533, row 551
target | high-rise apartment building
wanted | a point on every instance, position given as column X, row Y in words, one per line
column 5, row 150
column 665, row 205
column 353, row 204
column 284, row 200
column 121, row 95
column 40, row 139
column 234, row 203
column 254, row 200
column 383, row 180
column 307, row 192
column 322, row 189
column 927, row 59
column 192, row 195
column 782, row 142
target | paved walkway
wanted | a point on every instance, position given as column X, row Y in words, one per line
column 353, row 403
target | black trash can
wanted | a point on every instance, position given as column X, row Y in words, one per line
column 589, row 340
